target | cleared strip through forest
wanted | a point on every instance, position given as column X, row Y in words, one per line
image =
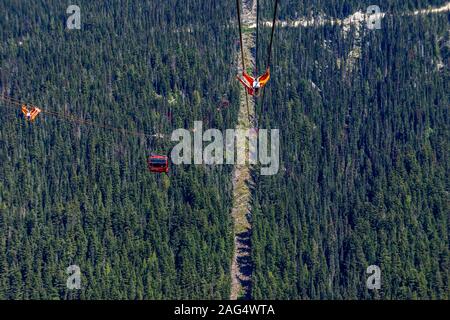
column 241, row 266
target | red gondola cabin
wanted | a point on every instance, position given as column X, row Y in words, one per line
column 158, row 164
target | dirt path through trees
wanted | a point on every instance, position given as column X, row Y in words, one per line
column 241, row 267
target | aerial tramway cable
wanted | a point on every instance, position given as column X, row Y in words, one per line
column 273, row 32
column 269, row 55
column 155, row 163
column 70, row 118
column 257, row 38
column 238, row 6
column 269, row 58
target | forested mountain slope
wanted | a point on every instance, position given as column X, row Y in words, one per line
column 364, row 177
column 364, row 152
column 76, row 195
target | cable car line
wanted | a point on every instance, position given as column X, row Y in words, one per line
column 253, row 85
column 257, row 37
column 70, row 118
column 155, row 163
column 275, row 10
column 269, row 58
column 238, row 6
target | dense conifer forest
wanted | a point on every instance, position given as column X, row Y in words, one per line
column 77, row 195
column 364, row 152
column 364, row 175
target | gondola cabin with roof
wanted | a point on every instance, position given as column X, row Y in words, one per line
column 158, row 164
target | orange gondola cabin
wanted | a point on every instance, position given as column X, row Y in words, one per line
column 158, row 164
column 30, row 114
